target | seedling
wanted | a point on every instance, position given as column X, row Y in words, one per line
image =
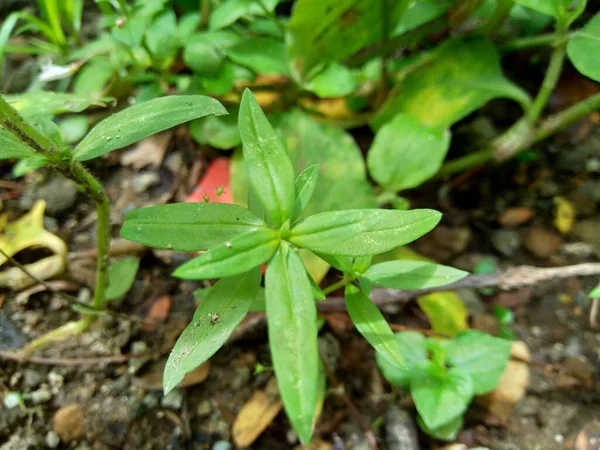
column 238, row 241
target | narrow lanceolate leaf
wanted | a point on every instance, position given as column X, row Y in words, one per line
column 238, row 255
column 372, row 325
column 188, row 226
column 215, row 319
column 412, row 274
column 269, row 167
column 362, row 232
column 121, row 276
column 143, row 120
column 292, row 328
column 305, row 186
column 11, row 147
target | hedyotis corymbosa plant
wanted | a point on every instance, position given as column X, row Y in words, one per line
column 237, row 241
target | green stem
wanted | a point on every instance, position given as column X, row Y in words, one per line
column 550, row 79
column 13, row 122
column 204, row 13
column 541, row 40
column 272, row 16
column 547, row 128
column 337, row 285
column 500, row 13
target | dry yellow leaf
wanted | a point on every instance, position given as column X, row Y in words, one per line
column 255, row 416
column 564, row 214
column 28, row 232
column 446, row 312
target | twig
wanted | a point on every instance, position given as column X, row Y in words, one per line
column 90, row 361
column 511, row 279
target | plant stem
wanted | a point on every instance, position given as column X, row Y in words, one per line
column 541, row 40
column 502, row 9
column 335, row 286
column 467, row 162
column 204, row 13
column 13, row 122
column 272, row 16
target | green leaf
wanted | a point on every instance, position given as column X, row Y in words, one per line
column 481, row 356
column 132, row 32
column 441, row 397
column 321, row 31
column 262, row 55
column 446, row 432
column 305, row 186
column 412, row 274
column 222, row 83
column 43, row 103
column 362, row 232
column 143, row 120
column 413, row 347
column 230, row 11
column 217, row 131
column 584, row 49
column 162, row 37
column 73, row 128
column 372, row 325
column 292, row 329
column 342, row 182
column 11, row 147
column 564, row 11
column 334, row 80
column 269, row 167
column 595, row 293
column 188, row 226
column 218, row 315
column 406, row 153
column 419, row 13
column 463, row 76
column 202, row 55
column 446, row 312
column 240, row 254
column 27, row 165
column 121, row 276
column 342, row 263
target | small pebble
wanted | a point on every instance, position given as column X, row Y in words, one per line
column 173, row 399
column 52, row 439
column 222, row 445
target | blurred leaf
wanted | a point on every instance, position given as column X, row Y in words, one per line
column 322, row 31
column 406, row 153
column 44, row 103
column 230, row 11
column 269, row 167
column 413, row 346
column 528, row 20
column 420, row 12
column 372, row 325
column 564, row 11
column 188, row 226
column 240, row 254
column 12, row 148
column 27, row 165
column 222, row 82
column 463, row 76
column 132, row 31
column 595, row 293
column 446, row 432
column 412, row 274
column 162, row 37
column 481, row 356
column 217, row 131
column 73, row 128
column 334, row 80
column 362, row 232
column 293, row 337
column 441, row 397
column 564, row 214
column 121, row 276
column 446, row 312
column 214, row 320
column 143, row 120
column 262, row 55
column 204, row 53
column 584, row 49
column 188, row 23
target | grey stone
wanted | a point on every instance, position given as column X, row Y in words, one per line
column 52, row 439
column 401, row 432
column 58, row 192
column 32, row 378
column 222, row 445
column 173, row 399
column 145, row 180
column 506, row 242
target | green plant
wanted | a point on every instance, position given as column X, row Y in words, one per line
column 36, row 138
column 443, row 375
column 238, row 240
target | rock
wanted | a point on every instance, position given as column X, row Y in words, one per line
column 401, row 432
column 454, row 447
column 444, row 242
column 589, row 437
column 240, row 377
column 514, row 217
column 548, row 188
column 32, row 378
column 204, row 408
column 506, row 242
column 42, row 395
column 488, row 323
column 173, row 399
column 58, row 192
column 222, row 445
column 541, row 242
column 512, row 386
column 587, row 231
column 52, row 439
column 591, row 188
column 144, row 180
column 10, row 335
column 69, row 422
